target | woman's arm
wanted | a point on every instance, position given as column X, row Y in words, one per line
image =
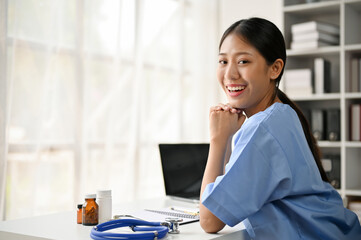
column 224, row 122
column 215, row 167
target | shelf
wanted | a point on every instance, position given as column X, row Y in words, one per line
column 329, row 50
column 353, row 192
column 353, row 47
column 353, row 144
column 353, row 95
column 313, row 8
column 329, row 144
column 319, row 97
column 347, row 15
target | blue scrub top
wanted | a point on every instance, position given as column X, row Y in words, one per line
column 272, row 182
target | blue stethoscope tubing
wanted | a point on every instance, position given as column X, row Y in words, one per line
column 153, row 230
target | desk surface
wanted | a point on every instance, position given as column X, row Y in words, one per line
column 63, row 225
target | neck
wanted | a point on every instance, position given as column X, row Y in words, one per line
column 268, row 101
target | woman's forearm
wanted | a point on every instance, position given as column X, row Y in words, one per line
column 218, row 151
column 224, row 123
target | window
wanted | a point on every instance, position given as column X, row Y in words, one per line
column 93, row 86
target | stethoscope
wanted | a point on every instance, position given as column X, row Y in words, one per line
column 142, row 229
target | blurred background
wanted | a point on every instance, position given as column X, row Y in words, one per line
column 89, row 88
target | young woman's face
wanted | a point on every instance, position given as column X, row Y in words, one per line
column 245, row 76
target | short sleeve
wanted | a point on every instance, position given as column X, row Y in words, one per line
column 256, row 174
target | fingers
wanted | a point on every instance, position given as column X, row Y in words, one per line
column 226, row 107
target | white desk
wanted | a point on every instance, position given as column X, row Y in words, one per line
column 63, row 225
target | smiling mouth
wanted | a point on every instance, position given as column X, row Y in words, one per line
column 235, row 89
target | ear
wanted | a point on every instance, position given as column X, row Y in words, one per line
column 276, row 68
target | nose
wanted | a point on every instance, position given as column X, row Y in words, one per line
column 232, row 72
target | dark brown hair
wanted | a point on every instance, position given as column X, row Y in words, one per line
column 269, row 41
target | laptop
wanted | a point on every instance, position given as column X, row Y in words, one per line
column 183, row 166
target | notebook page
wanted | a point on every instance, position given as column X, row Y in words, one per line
column 159, row 215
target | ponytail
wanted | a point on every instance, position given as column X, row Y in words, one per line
column 307, row 131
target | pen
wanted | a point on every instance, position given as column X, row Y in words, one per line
column 183, row 211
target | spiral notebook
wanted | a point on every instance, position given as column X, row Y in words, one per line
column 159, row 215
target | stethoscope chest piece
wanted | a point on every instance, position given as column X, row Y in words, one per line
column 174, row 222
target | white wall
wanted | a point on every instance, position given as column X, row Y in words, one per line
column 234, row 10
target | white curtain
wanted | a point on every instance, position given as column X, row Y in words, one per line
column 92, row 87
column 3, row 146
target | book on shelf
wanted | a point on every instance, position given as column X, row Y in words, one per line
column 298, row 82
column 298, row 77
column 355, row 75
column 355, row 126
column 315, row 26
column 299, row 92
column 333, row 124
column 316, row 36
column 293, row 2
column 307, row 114
column 311, row 1
column 322, row 75
column 308, row 44
column 318, row 123
column 332, row 167
column 355, row 206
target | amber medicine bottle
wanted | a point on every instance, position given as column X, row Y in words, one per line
column 90, row 210
column 79, row 215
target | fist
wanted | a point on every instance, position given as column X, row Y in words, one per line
column 224, row 121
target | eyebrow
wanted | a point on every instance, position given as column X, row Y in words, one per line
column 237, row 53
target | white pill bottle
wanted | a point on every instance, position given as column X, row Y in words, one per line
column 104, row 200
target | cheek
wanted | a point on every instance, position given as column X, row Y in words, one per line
column 259, row 76
column 220, row 76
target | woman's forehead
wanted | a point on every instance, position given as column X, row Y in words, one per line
column 235, row 44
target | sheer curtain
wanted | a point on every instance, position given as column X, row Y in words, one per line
column 92, row 87
column 3, row 148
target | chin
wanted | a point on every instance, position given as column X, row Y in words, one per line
column 235, row 105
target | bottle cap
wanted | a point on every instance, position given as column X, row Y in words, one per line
column 90, row 196
column 80, row 206
column 104, row 193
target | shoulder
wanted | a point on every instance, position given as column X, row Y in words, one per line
column 274, row 133
column 262, row 133
column 278, row 114
column 270, row 121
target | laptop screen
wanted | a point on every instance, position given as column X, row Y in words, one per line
column 183, row 167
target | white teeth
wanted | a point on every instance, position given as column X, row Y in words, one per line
column 238, row 88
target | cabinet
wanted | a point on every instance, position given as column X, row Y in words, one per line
column 347, row 15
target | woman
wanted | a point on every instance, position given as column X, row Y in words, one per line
column 273, row 179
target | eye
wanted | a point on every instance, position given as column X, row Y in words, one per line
column 243, row 61
column 222, row 62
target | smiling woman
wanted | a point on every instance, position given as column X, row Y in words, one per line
column 272, row 179
column 94, row 86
